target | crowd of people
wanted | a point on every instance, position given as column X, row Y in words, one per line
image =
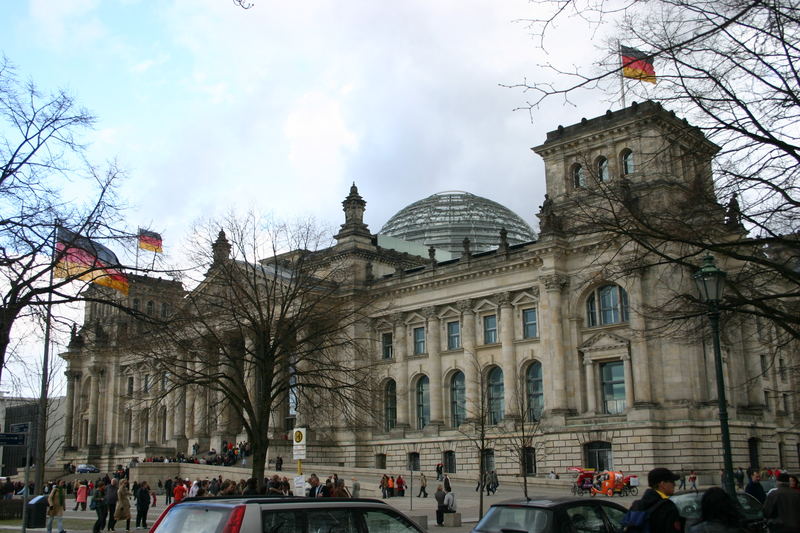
column 230, row 454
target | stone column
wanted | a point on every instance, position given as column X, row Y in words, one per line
column 640, row 358
column 433, row 327
column 629, row 389
column 591, row 392
column 401, row 354
column 94, row 399
column 69, row 409
column 510, row 385
column 554, row 285
column 470, row 361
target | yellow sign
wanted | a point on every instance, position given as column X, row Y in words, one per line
column 299, row 443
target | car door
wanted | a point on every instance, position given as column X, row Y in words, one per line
column 614, row 516
column 586, row 518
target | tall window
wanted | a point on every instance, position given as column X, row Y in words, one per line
column 164, row 310
column 752, row 451
column 613, row 386
column 390, row 405
column 529, row 329
column 419, row 341
column 457, row 398
column 578, row 177
column 386, row 345
column 413, row 461
column 529, row 460
column 146, row 385
column 627, row 162
column 602, row 169
column 449, row 461
column 130, row 385
column 487, row 458
column 598, row 456
column 380, row 461
column 423, row 402
column 490, row 329
column 535, row 390
column 453, row 335
column 607, row 305
column 150, row 307
column 495, row 395
column 136, row 304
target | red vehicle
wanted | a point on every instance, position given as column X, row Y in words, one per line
column 608, row 482
column 583, row 482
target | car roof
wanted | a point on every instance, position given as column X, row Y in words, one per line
column 548, row 502
column 277, row 500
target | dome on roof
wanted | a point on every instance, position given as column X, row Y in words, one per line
column 444, row 219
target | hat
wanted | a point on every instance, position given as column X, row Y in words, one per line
column 657, row 475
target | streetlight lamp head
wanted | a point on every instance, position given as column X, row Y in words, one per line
column 710, row 280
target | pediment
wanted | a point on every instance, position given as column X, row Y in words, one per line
column 485, row 305
column 449, row 312
column 525, row 297
column 604, row 342
column 414, row 318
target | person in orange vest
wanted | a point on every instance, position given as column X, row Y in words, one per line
column 179, row 491
column 391, row 486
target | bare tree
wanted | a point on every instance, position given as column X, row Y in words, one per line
column 528, row 430
column 269, row 330
column 730, row 69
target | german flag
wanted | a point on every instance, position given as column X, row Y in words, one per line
column 637, row 65
column 83, row 258
column 150, row 240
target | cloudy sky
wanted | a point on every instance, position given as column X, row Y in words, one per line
column 280, row 107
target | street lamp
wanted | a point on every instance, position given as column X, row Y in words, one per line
column 710, row 281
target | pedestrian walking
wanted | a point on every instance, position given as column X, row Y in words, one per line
column 423, row 484
column 111, row 502
column 56, row 504
column 782, row 507
column 123, row 509
column 81, row 495
column 439, row 497
column 142, row 505
column 99, row 506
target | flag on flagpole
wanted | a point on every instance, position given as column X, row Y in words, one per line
column 637, row 65
column 86, row 259
column 150, row 240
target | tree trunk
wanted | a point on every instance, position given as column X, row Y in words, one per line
column 259, row 459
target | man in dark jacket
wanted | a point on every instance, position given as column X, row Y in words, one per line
column 440, row 508
column 664, row 516
column 754, row 487
column 782, row 508
column 111, row 502
column 168, row 491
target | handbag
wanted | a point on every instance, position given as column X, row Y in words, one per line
column 93, row 505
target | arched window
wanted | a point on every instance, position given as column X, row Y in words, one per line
column 390, row 405
column 413, row 461
column 136, row 304
column 150, row 307
column 164, row 310
column 457, row 398
column 495, row 395
column 423, row 402
column 535, row 389
column 626, row 160
column 578, row 177
column 602, row 169
column 607, row 305
column 449, row 461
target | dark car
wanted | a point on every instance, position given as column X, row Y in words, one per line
column 87, row 469
column 259, row 514
column 552, row 515
column 690, row 508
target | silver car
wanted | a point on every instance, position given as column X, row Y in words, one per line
column 262, row 514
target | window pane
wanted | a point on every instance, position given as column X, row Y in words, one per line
column 390, row 406
column 453, row 335
column 535, row 392
column 609, row 305
column 280, row 521
column 495, row 396
column 338, row 520
column 613, row 387
column 529, row 324
column 602, row 169
column 386, row 345
column 591, row 311
column 419, row 341
column 387, row 522
column 457, row 399
column 627, row 162
column 490, row 329
column 423, row 402
column 587, row 518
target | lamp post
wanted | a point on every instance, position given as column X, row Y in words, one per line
column 710, row 281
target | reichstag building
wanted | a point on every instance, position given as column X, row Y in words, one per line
column 479, row 314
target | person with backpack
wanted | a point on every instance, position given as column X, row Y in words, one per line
column 655, row 512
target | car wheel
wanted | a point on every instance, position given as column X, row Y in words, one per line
column 634, row 491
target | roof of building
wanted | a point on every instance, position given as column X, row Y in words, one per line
column 443, row 220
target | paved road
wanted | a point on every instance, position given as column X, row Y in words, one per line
column 467, row 500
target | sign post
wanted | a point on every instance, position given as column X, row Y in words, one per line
column 23, row 430
column 299, row 447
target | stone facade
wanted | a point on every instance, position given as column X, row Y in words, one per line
column 534, row 332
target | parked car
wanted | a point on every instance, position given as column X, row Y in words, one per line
column 552, row 515
column 257, row 514
column 689, row 506
column 87, row 469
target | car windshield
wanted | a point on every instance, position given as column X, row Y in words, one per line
column 750, row 506
column 510, row 518
column 191, row 518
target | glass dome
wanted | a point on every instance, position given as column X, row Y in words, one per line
column 444, row 219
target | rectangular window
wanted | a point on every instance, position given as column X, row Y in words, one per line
column 529, row 460
column 386, row 345
column 764, row 364
column 766, row 400
column 419, row 341
column 529, row 330
column 490, row 329
column 453, row 335
column 130, row 385
column 613, row 386
column 782, row 369
column 786, row 403
column 146, row 386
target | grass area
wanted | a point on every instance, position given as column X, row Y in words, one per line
column 70, row 524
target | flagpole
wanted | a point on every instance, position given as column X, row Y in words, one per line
column 621, row 74
column 42, row 420
column 138, row 232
